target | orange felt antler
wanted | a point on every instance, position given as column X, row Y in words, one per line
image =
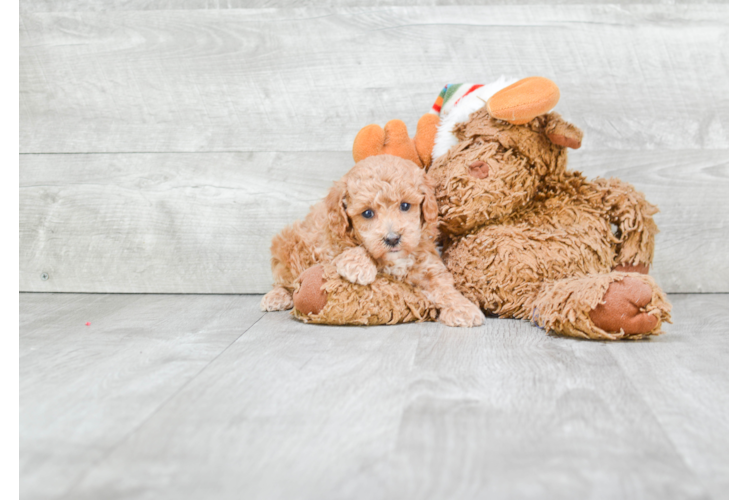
column 523, row 100
column 394, row 140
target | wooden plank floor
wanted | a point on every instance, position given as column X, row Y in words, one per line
column 197, row 396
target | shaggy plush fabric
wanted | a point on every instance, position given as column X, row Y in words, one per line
column 386, row 301
column 566, row 306
column 526, row 238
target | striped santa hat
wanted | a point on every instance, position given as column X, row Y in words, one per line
column 455, row 104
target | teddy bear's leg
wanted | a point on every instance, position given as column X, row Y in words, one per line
column 277, row 299
column 502, row 268
column 605, row 306
column 322, row 296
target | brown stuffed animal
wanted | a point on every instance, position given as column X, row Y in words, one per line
column 526, row 238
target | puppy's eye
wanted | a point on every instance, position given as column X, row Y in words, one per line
column 368, row 214
column 404, row 206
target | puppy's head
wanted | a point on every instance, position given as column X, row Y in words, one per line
column 385, row 204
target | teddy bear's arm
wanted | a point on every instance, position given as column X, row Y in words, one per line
column 633, row 214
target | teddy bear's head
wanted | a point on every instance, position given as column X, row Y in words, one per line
column 498, row 167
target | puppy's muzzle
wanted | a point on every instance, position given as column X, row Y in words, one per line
column 392, row 239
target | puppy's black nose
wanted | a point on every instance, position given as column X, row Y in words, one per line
column 392, row 239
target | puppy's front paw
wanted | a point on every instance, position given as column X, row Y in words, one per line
column 463, row 313
column 357, row 267
column 277, row 299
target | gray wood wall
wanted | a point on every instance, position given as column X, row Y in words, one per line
column 164, row 143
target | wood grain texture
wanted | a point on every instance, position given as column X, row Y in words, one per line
column 737, row 103
column 118, row 5
column 307, row 79
column 202, row 223
column 736, row 106
column 285, row 90
column 84, row 389
column 177, row 223
column 413, row 411
column 738, row 395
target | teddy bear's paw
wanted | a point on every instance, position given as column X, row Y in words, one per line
column 623, row 308
column 357, row 267
column 310, row 297
column 463, row 313
column 278, row 299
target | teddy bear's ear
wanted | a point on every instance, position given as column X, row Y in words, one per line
column 563, row 133
column 524, row 100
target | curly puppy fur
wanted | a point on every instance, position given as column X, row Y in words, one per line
column 380, row 218
column 526, row 238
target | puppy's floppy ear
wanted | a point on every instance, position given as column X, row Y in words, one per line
column 339, row 223
column 429, row 206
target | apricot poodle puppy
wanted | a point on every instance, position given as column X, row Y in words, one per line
column 380, row 217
